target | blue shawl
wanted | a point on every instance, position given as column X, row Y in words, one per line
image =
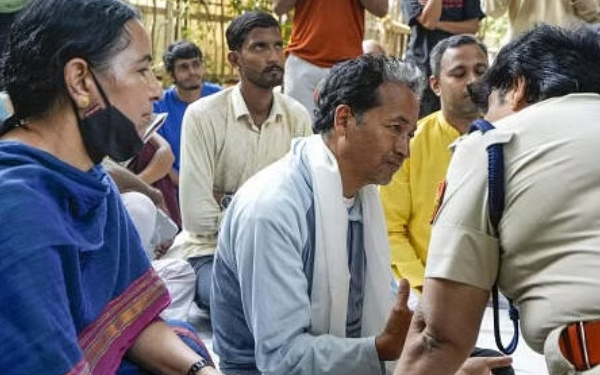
column 75, row 285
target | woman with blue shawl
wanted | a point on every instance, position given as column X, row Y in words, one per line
column 78, row 294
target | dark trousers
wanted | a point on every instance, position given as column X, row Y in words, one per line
column 203, row 268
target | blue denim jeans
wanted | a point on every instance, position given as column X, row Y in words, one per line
column 203, row 267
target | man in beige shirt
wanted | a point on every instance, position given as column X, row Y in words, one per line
column 525, row 14
column 231, row 135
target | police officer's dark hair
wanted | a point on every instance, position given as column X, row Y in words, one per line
column 553, row 61
column 49, row 33
column 455, row 41
column 181, row 49
column 355, row 83
column 240, row 27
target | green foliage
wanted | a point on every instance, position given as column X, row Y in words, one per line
column 493, row 32
column 239, row 6
column 203, row 22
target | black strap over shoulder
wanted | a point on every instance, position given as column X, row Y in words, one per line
column 9, row 124
column 496, row 200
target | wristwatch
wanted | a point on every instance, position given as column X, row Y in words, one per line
column 197, row 366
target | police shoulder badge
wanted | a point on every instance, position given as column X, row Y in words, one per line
column 439, row 198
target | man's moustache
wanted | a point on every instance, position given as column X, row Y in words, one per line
column 273, row 68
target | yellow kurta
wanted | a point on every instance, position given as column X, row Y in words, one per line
column 409, row 200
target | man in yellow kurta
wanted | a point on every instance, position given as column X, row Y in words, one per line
column 409, row 200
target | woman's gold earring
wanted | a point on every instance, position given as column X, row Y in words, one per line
column 84, row 102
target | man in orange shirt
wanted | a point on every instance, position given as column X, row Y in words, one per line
column 324, row 32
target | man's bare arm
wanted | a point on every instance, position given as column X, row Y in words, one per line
column 283, row 6
column 174, row 176
column 158, row 349
column 460, row 27
column 378, row 8
column 161, row 163
column 444, row 328
column 128, row 181
column 431, row 13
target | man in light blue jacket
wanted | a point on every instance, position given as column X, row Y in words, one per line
column 301, row 275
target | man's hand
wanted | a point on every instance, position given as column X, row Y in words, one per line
column 390, row 342
column 162, row 248
column 483, row 365
column 174, row 176
column 157, row 198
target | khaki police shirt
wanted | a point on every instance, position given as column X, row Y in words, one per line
column 550, row 230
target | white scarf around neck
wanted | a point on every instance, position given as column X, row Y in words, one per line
column 330, row 284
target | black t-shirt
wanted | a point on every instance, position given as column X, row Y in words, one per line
column 422, row 40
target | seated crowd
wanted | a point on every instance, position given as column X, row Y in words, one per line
column 304, row 232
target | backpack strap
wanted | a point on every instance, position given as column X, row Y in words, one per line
column 496, row 199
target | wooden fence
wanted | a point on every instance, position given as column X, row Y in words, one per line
column 204, row 22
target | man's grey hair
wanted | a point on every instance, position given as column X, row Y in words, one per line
column 355, row 82
column 397, row 71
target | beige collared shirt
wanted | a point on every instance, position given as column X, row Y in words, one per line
column 221, row 148
column 523, row 15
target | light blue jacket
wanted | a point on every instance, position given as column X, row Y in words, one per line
column 261, row 291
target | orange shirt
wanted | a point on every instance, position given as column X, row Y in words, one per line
column 325, row 32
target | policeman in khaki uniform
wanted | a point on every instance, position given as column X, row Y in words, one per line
column 544, row 104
